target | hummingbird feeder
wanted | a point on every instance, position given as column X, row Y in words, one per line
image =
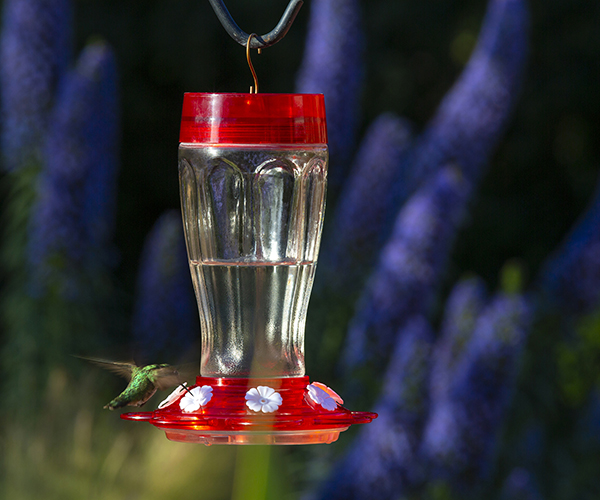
column 253, row 174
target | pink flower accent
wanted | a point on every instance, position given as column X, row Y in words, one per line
column 336, row 397
column 321, row 397
column 179, row 390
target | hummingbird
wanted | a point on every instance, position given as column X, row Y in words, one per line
column 144, row 381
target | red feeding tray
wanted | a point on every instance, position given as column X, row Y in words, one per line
column 253, row 411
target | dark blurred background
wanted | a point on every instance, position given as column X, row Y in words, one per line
column 543, row 172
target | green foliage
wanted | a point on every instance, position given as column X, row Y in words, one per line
column 76, row 451
column 512, row 277
column 548, row 429
column 438, row 491
column 578, row 361
column 40, row 331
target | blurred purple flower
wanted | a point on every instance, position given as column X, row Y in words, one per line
column 35, row 51
column 520, row 485
column 165, row 317
column 382, row 462
column 465, row 129
column 572, row 276
column 72, row 221
column 473, row 114
column 367, row 204
column 97, row 62
column 462, row 309
column 333, row 66
column 460, row 435
column 411, row 266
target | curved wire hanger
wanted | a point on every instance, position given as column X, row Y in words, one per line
column 253, row 89
column 256, row 42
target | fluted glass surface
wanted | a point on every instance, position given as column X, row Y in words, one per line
column 252, row 218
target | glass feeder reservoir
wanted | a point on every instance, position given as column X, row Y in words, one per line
column 253, row 174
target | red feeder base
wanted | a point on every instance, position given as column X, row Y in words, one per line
column 253, row 411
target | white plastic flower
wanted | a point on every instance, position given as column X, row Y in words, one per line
column 263, row 398
column 199, row 397
column 324, row 396
column 179, row 390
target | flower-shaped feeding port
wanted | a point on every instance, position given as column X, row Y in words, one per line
column 263, row 398
column 174, row 396
column 318, row 393
column 195, row 398
column 253, row 176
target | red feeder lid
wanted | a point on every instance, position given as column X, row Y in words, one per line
column 226, row 119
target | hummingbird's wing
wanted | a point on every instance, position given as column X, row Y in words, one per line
column 167, row 377
column 119, row 367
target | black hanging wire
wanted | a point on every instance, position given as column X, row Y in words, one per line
column 257, row 41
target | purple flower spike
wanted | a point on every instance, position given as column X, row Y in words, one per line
column 463, row 307
column 98, row 61
column 410, row 268
column 460, row 435
column 72, row 222
column 520, row 485
column 333, row 66
column 382, row 462
column 35, row 51
column 165, row 315
column 367, row 203
column 572, row 277
column 472, row 116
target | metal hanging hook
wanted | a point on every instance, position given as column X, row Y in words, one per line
column 258, row 42
column 253, row 90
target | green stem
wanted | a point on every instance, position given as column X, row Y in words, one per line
column 251, row 478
